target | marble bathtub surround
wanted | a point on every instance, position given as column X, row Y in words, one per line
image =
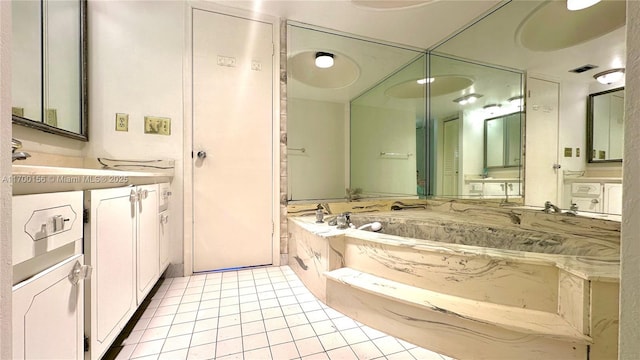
column 556, row 299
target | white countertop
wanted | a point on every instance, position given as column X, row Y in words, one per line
column 492, row 180
column 29, row 179
column 590, row 179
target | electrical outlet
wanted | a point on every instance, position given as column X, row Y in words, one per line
column 577, row 152
column 51, row 117
column 122, row 122
column 157, row 125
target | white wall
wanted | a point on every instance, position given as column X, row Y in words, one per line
column 318, row 127
column 630, row 242
column 375, row 130
column 136, row 51
column 6, row 273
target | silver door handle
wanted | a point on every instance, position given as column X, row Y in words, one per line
column 202, row 154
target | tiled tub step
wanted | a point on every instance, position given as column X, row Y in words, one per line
column 528, row 323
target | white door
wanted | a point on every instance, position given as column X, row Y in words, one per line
column 541, row 149
column 232, row 133
column 148, row 241
column 110, row 248
column 451, row 158
column 48, row 315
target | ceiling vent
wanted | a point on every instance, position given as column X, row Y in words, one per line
column 583, row 68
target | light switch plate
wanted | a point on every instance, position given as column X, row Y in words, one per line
column 157, row 125
column 51, row 117
column 122, row 122
column 568, row 152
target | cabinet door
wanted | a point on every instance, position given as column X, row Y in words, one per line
column 613, row 199
column 110, row 248
column 148, row 258
column 48, row 315
column 164, row 240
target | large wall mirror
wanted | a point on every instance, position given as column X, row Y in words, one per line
column 49, row 74
column 559, row 74
column 605, row 126
column 358, row 124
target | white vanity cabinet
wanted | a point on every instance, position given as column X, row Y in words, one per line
column 48, row 315
column 613, row 199
column 164, row 218
column 48, row 273
column 121, row 243
column 587, row 196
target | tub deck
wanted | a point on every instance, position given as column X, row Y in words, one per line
column 499, row 303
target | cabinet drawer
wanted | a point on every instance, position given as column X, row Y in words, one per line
column 586, row 189
column 44, row 222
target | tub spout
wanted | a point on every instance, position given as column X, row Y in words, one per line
column 375, row 226
column 20, row 155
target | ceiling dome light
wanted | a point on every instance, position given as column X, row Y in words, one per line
column 491, row 108
column 610, row 76
column 574, row 5
column 467, row 99
column 425, row 80
column 324, row 60
column 515, row 101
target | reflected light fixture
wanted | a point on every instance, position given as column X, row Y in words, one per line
column 610, row 76
column 574, row 5
column 425, row 80
column 324, row 60
column 467, row 99
column 491, row 108
column 515, row 101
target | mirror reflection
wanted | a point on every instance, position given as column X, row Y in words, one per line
column 605, row 126
column 49, row 74
column 338, row 117
column 562, row 54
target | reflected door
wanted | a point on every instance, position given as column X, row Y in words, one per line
column 232, row 133
column 542, row 173
column 450, row 158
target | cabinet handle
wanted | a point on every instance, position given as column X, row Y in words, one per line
column 595, row 201
column 80, row 272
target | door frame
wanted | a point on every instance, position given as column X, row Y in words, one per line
column 188, row 126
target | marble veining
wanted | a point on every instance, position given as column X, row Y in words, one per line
column 487, row 278
column 444, row 228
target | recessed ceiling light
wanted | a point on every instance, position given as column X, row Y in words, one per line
column 425, row 80
column 324, row 60
column 574, row 5
column 610, row 76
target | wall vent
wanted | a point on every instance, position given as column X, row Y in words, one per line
column 583, row 68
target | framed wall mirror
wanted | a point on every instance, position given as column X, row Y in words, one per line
column 49, row 86
column 605, row 126
column 502, row 141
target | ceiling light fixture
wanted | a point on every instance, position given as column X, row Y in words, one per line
column 491, row 108
column 515, row 100
column 467, row 99
column 324, row 60
column 425, row 80
column 574, row 5
column 610, row 76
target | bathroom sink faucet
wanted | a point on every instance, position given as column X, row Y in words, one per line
column 20, row 155
column 549, row 208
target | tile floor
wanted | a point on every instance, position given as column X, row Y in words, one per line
column 261, row 313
